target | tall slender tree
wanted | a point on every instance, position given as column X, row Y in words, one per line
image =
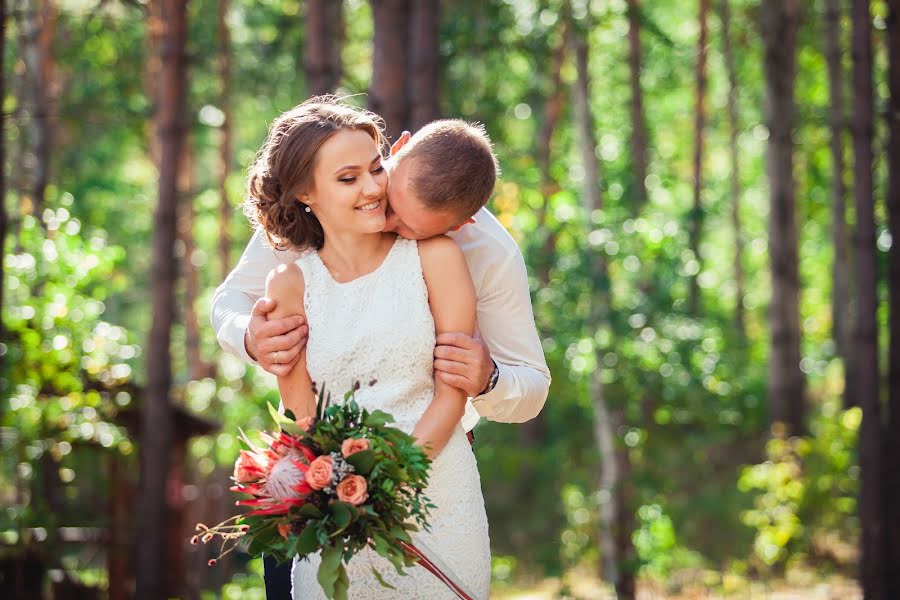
column 388, row 94
column 324, row 39
column 865, row 343
column 425, row 62
column 223, row 37
column 780, row 21
column 38, row 29
column 735, row 176
column 584, row 120
column 156, row 422
column 639, row 139
column 695, row 226
column 892, row 467
column 4, row 219
column 840, row 269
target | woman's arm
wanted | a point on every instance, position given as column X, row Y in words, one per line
column 286, row 286
column 451, row 296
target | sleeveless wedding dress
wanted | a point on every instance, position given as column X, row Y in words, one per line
column 379, row 327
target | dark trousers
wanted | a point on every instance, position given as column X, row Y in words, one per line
column 278, row 579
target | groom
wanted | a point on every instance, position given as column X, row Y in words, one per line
column 439, row 181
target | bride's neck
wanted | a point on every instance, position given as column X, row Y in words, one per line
column 352, row 255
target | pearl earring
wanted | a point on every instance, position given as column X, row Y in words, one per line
column 308, row 209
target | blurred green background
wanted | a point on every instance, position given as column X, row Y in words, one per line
column 636, row 294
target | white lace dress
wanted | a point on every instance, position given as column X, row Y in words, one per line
column 380, row 327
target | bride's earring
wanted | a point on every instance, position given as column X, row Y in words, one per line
column 307, row 209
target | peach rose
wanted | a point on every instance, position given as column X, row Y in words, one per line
column 249, row 467
column 354, row 445
column 284, row 529
column 305, row 423
column 319, row 474
column 352, row 490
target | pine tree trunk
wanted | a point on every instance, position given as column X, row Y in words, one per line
column 780, row 20
column 840, row 270
column 156, row 423
column 389, row 92
column 584, row 121
column 733, row 129
column 639, row 140
column 425, row 63
column 225, row 208
column 324, row 39
column 892, row 467
column 38, row 31
column 4, row 219
column 695, row 225
column 866, row 334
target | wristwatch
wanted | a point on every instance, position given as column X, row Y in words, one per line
column 492, row 381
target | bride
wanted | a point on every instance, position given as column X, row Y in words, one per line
column 374, row 303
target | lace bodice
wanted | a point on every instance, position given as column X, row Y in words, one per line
column 379, row 327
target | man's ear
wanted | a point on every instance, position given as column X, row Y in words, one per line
column 464, row 223
column 401, row 141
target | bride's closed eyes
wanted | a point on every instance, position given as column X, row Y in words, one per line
column 349, row 179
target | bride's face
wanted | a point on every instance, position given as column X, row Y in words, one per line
column 349, row 184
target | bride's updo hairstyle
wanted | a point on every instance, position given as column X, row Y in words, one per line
column 283, row 169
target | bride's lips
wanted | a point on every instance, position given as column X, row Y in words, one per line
column 371, row 206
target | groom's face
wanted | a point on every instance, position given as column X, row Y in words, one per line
column 407, row 215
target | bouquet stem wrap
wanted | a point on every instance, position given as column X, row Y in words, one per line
column 439, row 570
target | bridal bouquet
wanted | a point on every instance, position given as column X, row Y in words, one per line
column 334, row 483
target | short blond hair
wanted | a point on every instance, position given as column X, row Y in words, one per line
column 453, row 166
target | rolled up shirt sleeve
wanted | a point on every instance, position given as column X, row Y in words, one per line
column 506, row 322
column 234, row 299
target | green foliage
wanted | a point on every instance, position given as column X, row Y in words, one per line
column 806, row 491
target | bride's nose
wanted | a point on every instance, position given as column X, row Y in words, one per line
column 372, row 188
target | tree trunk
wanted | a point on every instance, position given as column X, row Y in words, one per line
column 38, row 31
column 866, row 335
column 225, row 151
column 892, row 467
column 639, row 140
column 584, row 121
column 156, row 423
column 4, row 222
column 696, row 219
column 324, row 39
column 425, row 63
column 734, row 128
column 780, row 20
column 388, row 95
column 840, row 269
column 553, row 106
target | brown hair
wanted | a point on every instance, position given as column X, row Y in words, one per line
column 283, row 168
column 454, row 168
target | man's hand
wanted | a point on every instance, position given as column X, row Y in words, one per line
column 274, row 344
column 463, row 362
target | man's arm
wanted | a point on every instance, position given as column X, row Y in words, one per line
column 233, row 313
column 508, row 339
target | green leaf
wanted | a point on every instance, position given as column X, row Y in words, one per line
column 342, row 515
column 328, row 569
column 306, row 541
column 311, row 511
column 381, row 580
column 362, row 461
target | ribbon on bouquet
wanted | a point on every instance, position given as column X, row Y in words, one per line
column 439, row 570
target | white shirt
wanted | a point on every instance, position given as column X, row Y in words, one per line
column 505, row 316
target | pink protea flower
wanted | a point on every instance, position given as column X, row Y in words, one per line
column 249, row 467
column 284, row 477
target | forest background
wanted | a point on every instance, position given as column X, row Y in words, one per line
column 704, row 193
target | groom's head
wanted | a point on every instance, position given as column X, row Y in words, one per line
column 441, row 177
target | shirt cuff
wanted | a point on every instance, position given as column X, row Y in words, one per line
column 231, row 337
column 504, row 382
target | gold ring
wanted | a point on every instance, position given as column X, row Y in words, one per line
column 275, row 358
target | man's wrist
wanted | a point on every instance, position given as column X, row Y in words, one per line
column 492, row 380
